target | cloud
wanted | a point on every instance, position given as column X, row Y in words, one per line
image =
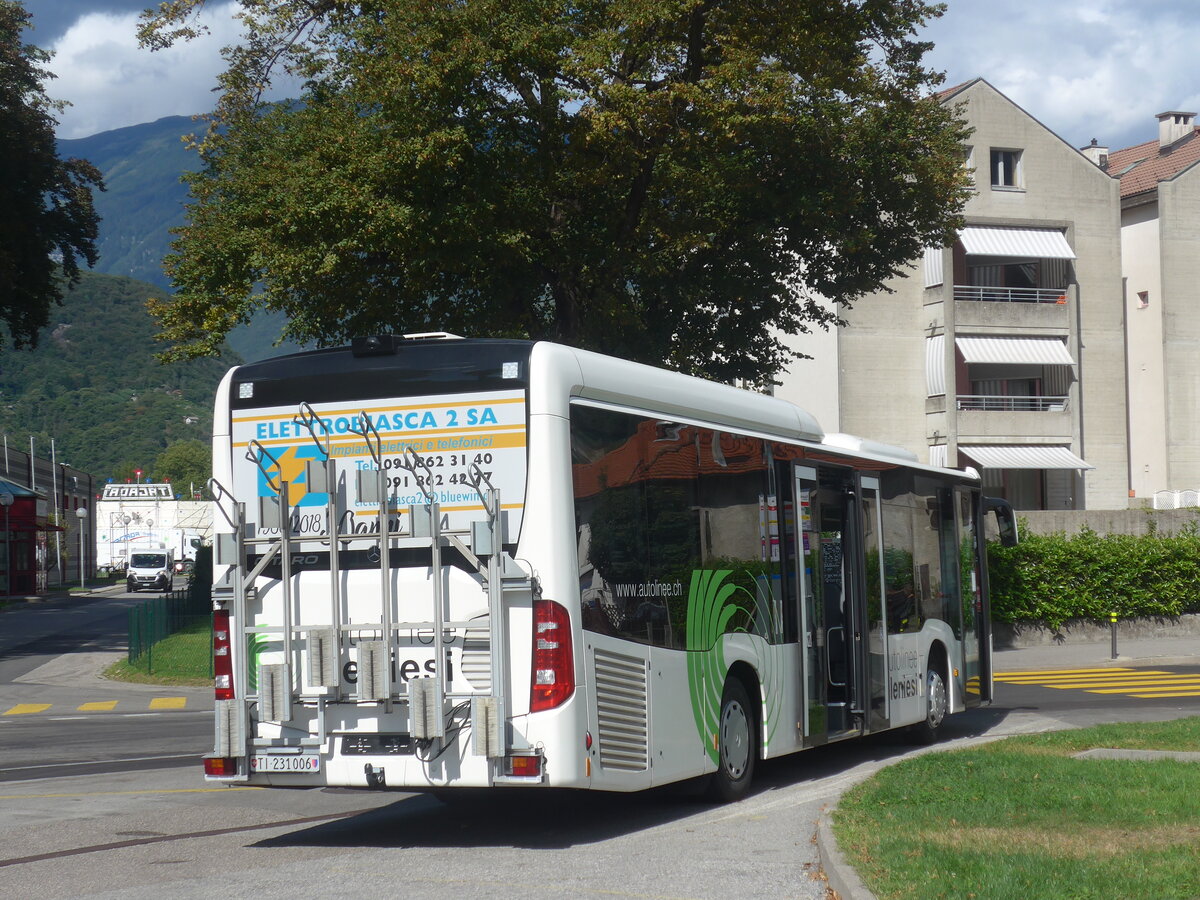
column 111, row 82
column 1100, row 69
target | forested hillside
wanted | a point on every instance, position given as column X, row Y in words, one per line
column 94, row 386
column 142, row 166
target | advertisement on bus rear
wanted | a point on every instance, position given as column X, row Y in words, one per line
column 429, row 448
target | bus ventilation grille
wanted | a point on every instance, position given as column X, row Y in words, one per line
column 622, row 711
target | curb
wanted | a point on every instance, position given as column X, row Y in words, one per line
column 55, row 595
column 842, row 877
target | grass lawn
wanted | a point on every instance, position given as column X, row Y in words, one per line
column 183, row 658
column 1021, row 818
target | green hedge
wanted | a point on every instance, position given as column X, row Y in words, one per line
column 1053, row 578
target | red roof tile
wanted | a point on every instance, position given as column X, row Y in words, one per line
column 1143, row 166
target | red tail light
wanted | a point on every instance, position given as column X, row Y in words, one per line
column 222, row 660
column 220, row 766
column 553, row 660
column 526, row 766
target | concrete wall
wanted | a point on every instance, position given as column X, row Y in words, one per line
column 881, row 366
column 1111, row 521
column 1081, row 631
column 1179, row 235
column 812, row 384
column 1140, row 256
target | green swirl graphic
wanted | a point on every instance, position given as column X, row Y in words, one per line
column 718, row 605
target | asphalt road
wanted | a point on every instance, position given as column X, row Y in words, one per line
column 58, row 717
column 109, row 802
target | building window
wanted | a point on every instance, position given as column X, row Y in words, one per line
column 1143, row 299
column 1006, row 168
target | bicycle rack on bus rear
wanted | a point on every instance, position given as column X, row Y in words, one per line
column 426, row 697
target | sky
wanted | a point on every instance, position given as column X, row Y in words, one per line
column 1096, row 69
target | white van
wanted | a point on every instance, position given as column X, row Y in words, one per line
column 151, row 569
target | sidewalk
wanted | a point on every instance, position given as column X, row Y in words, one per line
column 1082, row 655
column 53, row 595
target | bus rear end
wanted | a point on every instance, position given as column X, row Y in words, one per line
column 373, row 628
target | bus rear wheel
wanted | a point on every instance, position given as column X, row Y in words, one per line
column 936, row 706
column 737, row 745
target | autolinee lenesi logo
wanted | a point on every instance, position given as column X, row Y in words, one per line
column 719, row 605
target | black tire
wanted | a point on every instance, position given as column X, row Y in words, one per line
column 936, row 707
column 737, row 745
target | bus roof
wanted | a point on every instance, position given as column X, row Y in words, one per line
column 372, row 367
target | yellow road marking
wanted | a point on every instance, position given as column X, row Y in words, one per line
column 1144, row 684
column 97, row 705
column 1045, row 672
column 1038, row 679
column 1075, row 679
column 168, row 703
column 1130, row 682
column 23, row 709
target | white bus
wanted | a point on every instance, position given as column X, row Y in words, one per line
column 470, row 563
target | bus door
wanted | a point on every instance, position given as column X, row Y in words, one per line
column 831, row 598
column 977, row 668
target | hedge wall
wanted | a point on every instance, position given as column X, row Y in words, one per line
column 1053, row 578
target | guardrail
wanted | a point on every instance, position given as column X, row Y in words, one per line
column 991, row 403
column 1010, row 295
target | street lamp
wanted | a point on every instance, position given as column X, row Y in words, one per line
column 82, row 513
column 126, row 520
column 6, row 500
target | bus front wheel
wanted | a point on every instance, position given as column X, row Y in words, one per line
column 937, row 704
column 737, row 745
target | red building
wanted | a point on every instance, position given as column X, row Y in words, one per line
column 27, row 526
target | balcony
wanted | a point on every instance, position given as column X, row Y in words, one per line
column 993, row 403
column 988, row 418
column 1000, row 310
column 990, row 294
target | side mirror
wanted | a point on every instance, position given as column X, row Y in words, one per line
column 1006, row 519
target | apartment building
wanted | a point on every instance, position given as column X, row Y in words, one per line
column 1160, row 252
column 1004, row 351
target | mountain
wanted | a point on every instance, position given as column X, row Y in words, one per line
column 143, row 167
column 95, row 388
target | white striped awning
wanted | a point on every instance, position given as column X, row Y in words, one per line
column 1023, row 456
column 1025, row 243
column 1040, row 351
column 933, row 266
column 937, row 455
column 935, row 365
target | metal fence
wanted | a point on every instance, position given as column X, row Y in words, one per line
column 1010, row 295
column 152, row 622
column 992, row 402
column 1176, row 499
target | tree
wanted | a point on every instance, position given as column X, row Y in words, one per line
column 665, row 180
column 186, row 465
column 47, row 219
